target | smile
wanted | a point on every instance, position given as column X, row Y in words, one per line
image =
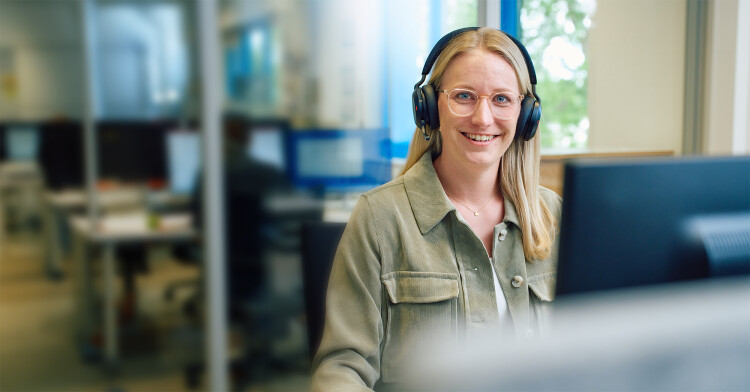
column 479, row 138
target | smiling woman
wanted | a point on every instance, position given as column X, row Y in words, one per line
column 460, row 246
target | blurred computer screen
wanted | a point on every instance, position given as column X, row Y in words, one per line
column 267, row 144
column 641, row 222
column 21, row 142
column 339, row 159
column 183, row 160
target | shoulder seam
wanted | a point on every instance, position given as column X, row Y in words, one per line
column 383, row 187
column 373, row 226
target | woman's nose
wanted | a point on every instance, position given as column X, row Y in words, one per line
column 482, row 114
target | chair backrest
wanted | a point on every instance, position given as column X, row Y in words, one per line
column 319, row 243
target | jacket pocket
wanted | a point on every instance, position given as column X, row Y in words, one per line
column 422, row 310
column 542, row 289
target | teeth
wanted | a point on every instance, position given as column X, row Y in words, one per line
column 479, row 138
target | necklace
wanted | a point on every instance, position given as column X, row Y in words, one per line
column 476, row 212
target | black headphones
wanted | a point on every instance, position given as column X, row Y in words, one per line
column 424, row 99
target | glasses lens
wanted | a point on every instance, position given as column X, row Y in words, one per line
column 462, row 102
column 504, row 105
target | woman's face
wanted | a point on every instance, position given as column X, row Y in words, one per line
column 485, row 73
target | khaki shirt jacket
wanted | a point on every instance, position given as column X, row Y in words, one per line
column 409, row 265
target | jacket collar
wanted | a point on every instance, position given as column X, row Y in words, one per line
column 511, row 215
column 428, row 200
column 426, row 196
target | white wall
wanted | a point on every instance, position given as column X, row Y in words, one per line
column 350, row 73
column 42, row 41
column 636, row 54
column 727, row 121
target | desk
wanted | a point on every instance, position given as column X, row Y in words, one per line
column 64, row 203
column 20, row 184
column 108, row 236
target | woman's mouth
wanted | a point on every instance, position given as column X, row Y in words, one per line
column 478, row 137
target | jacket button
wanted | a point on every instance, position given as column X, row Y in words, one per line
column 502, row 235
column 517, row 281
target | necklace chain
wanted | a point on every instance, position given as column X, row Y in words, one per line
column 476, row 212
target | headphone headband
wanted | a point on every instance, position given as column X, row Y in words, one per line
column 443, row 42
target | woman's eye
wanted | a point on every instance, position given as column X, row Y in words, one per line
column 503, row 99
column 463, row 96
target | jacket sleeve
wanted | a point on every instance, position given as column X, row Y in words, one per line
column 349, row 355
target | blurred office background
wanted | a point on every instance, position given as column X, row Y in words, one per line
column 104, row 119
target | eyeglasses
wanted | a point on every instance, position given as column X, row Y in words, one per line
column 504, row 105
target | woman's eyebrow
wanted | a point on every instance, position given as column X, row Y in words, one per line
column 469, row 86
column 495, row 91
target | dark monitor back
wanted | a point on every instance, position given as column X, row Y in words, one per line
column 634, row 223
column 133, row 150
column 61, row 154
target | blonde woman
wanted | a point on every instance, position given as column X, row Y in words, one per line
column 462, row 245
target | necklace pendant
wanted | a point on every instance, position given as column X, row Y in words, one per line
column 476, row 213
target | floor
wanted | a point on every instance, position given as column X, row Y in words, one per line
column 37, row 347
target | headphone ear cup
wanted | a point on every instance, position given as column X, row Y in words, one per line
column 533, row 124
column 417, row 105
column 528, row 118
column 431, row 107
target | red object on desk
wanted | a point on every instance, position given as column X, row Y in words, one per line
column 157, row 184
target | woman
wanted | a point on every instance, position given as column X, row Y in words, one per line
column 461, row 245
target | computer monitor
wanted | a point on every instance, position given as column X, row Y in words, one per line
column 21, row 142
column 339, row 160
column 267, row 144
column 642, row 222
column 133, row 150
column 61, row 154
column 184, row 160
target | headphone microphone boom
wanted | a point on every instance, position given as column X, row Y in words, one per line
column 424, row 98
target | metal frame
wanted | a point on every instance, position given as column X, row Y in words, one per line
column 695, row 70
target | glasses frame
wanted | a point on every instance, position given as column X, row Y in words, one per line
column 479, row 98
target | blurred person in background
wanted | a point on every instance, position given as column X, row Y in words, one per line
column 250, row 232
column 462, row 245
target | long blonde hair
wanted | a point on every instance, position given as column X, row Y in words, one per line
column 519, row 167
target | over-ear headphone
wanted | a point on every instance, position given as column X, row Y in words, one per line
column 424, row 99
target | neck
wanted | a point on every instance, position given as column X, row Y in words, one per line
column 473, row 185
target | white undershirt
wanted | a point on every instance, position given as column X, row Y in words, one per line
column 502, row 305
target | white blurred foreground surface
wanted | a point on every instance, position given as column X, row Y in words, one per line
column 684, row 337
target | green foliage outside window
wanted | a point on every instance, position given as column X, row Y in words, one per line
column 555, row 32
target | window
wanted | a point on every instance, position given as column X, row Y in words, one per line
column 555, row 33
column 251, row 60
column 142, row 59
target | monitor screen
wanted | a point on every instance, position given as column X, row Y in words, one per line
column 641, row 222
column 266, row 144
column 340, row 159
column 21, row 142
column 184, row 160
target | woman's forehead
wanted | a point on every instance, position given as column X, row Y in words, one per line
column 480, row 69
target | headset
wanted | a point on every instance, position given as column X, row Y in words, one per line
column 424, row 99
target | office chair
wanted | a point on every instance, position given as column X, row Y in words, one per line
column 319, row 243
